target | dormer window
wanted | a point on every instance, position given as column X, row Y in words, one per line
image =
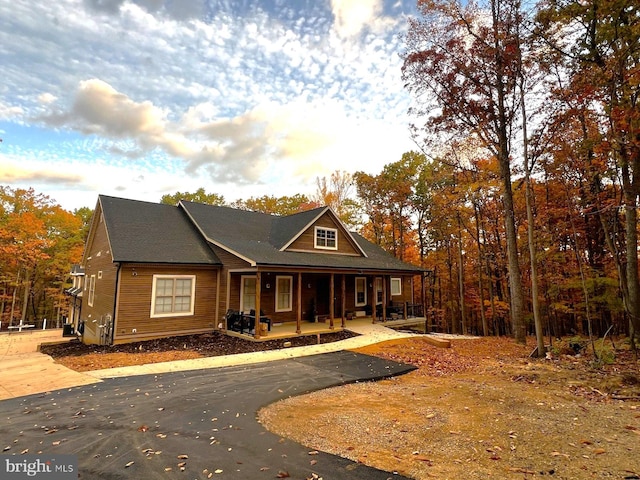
column 326, row 238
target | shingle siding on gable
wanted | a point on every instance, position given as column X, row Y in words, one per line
column 306, row 241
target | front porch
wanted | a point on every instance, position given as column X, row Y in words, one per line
column 284, row 331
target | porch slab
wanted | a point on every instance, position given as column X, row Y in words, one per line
column 288, row 330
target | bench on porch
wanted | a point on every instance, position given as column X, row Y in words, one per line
column 240, row 321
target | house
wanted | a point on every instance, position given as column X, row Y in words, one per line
column 154, row 270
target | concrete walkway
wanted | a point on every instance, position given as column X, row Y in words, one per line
column 368, row 335
column 24, row 371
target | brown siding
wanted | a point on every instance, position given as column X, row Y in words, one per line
column 306, row 241
column 268, row 295
column 98, row 262
column 229, row 261
column 315, row 294
column 134, row 305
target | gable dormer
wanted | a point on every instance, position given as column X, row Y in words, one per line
column 325, row 234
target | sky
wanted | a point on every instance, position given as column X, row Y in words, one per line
column 244, row 98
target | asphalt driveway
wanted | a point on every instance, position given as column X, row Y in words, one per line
column 203, row 422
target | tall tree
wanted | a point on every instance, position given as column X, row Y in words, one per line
column 38, row 242
column 599, row 43
column 337, row 192
column 462, row 63
column 386, row 200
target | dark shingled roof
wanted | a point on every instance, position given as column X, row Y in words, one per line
column 258, row 238
column 147, row 232
column 153, row 233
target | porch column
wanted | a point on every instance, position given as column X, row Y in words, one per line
column 258, row 293
column 373, row 298
column 344, row 300
column 404, row 297
column 332, row 294
column 384, row 297
column 299, row 313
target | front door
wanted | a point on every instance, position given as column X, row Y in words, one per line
column 322, row 295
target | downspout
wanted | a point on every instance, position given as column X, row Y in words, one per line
column 115, row 303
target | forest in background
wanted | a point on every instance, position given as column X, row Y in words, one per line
column 520, row 200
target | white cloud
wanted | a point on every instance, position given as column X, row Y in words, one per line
column 351, row 16
column 235, row 98
column 8, row 112
column 47, row 98
column 15, row 172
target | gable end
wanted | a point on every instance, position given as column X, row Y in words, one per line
column 326, row 234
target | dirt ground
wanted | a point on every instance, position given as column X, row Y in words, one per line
column 481, row 409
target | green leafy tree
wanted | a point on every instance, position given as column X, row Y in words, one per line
column 285, row 205
column 199, row 196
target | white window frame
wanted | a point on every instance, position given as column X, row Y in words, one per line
column 92, row 290
column 364, row 290
column 397, row 290
column 247, row 308
column 325, row 229
column 289, row 306
column 192, row 300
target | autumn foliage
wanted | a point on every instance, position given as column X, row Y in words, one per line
column 38, row 243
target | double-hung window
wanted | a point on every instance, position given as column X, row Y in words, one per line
column 378, row 285
column 284, row 297
column 396, row 286
column 326, row 238
column 173, row 295
column 248, row 292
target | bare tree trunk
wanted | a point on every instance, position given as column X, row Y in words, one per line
column 530, row 230
column 483, row 316
column 463, row 323
column 503, row 154
column 631, row 225
column 27, row 289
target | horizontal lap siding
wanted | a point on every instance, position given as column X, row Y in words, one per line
column 134, row 306
column 230, row 262
column 306, row 241
column 98, row 262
